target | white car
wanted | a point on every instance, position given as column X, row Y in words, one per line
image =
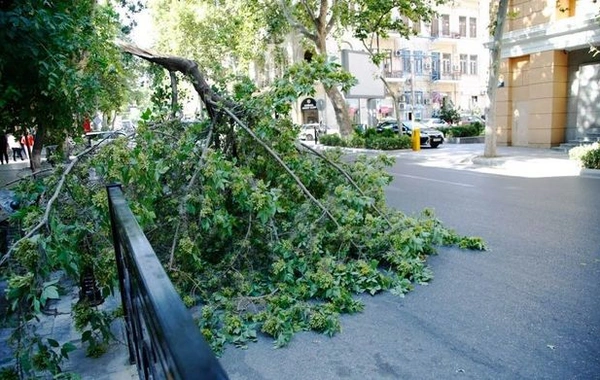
column 435, row 122
column 307, row 131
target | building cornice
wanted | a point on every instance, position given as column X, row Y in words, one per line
column 567, row 34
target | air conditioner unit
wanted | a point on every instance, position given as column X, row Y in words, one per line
column 398, row 53
column 427, row 66
column 426, row 101
column 401, row 106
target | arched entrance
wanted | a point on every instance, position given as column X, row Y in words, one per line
column 310, row 113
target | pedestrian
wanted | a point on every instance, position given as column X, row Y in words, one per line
column 22, row 143
column 15, row 146
column 3, row 148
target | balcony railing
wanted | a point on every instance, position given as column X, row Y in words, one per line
column 162, row 337
column 393, row 74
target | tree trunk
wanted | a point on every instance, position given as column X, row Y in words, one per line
column 338, row 101
column 35, row 154
column 341, row 110
column 491, row 136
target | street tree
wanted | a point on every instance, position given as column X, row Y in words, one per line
column 497, row 30
column 57, row 64
column 236, row 34
column 321, row 20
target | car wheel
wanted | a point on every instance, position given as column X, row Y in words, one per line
column 435, row 145
column 309, row 137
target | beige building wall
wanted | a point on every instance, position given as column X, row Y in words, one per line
column 531, row 108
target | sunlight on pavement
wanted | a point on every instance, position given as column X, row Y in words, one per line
column 525, row 167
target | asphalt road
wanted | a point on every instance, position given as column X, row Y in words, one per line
column 527, row 309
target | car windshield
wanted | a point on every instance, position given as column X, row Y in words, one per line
column 413, row 124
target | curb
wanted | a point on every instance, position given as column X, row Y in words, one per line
column 590, row 173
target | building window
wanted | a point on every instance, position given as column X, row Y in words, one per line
column 446, row 25
column 473, row 64
column 387, row 63
column 462, row 26
column 435, row 27
column 418, row 62
column 472, row 27
column 446, row 63
column 418, row 97
column 463, row 63
column 435, row 66
column 407, row 97
column 406, row 60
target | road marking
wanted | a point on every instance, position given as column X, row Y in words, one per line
column 435, row 180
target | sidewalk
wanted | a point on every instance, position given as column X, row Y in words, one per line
column 510, row 161
column 114, row 365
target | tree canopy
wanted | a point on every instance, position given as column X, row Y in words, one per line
column 58, row 63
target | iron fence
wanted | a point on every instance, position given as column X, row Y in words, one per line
column 162, row 338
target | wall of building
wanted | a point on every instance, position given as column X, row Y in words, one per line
column 583, row 109
column 543, row 102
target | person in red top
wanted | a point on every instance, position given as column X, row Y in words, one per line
column 87, row 125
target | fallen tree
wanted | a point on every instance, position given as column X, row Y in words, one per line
column 258, row 232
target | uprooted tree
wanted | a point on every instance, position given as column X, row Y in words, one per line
column 262, row 233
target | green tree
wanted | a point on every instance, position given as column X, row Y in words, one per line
column 57, row 63
column 230, row 36
column 318, row 21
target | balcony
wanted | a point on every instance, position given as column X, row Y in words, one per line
column 436, row 76
column 394, row 75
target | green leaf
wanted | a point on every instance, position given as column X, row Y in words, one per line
column 53, row 343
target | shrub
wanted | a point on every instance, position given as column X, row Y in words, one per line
column 370, row 139
column 356, row 141
column 449, row 113
column 332, row 140
column 578, row 152
column 388, row 143
column 469, row 130
column 591, row 159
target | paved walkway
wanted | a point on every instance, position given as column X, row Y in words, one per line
column 511, row 161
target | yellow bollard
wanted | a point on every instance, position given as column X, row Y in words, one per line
column 416, row 139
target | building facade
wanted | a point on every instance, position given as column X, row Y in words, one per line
column 445, row 62
column 551, row 92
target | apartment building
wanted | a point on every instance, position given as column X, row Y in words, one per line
column 445, row 62
column 551, row 92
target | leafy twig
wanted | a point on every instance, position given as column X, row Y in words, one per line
column 348, row 177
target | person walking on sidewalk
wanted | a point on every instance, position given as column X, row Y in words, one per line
column 15, row 146
column 3, row 148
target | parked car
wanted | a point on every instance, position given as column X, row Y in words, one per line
column 470, row 119
column 430, row 137
column 307, row 131
column 435, row 122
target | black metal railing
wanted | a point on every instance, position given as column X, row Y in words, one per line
column 162, row 337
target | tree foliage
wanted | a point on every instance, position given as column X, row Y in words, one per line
column 237, row 35
column 57, row 63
